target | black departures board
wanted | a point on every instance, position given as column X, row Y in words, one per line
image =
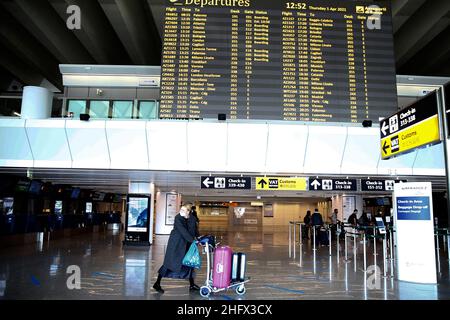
column 317, row 61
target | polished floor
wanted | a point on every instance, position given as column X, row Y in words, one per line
column 110, row 271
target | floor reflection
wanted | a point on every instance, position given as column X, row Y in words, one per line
column 110, row 271
column 135, row 280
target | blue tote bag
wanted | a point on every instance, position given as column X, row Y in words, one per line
column 192, row 258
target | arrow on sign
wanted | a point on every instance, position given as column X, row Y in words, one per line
column 385, row 147
column 315, row 184
column 384, row 127
column 262, row 183
column 207, row 183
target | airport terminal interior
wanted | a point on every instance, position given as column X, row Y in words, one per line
column 300, row 146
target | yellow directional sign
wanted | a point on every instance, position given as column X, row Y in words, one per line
column 419, row 134
column 281, row 183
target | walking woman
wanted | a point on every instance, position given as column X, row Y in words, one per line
column 179, row 242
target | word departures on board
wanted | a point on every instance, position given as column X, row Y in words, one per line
column 410, row 128
column 312, row 61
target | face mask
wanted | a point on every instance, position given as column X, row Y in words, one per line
column 184, row 214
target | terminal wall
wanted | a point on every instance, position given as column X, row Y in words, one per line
column 250, row 147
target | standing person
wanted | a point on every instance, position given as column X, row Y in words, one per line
column 316, row 220
column 193, row 222
column 179, row 242
column 307, row 222
column 353, row 219
column 333, row 218
column 364, row 220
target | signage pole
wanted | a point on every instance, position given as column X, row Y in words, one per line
column 314, row 238
column 300, row 235
column 444, row 129
column 294, row 238
column 438, row 249
column 354, row 250
column 338, row 246
column 290, row 240
column 329, row 241
column 346, row 257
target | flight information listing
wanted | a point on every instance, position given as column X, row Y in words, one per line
column 311, row 61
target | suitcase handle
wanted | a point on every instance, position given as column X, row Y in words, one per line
column 219, row 268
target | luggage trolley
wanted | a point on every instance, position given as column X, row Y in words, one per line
column 206, row 290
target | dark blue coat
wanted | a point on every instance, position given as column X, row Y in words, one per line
column 179, row 239
column 316, row 219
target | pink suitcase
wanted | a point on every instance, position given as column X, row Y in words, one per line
column 222, row 267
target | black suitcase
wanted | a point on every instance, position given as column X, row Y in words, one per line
column 322, row 238
column 238, row 267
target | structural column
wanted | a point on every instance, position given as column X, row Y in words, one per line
column 167, row 207
column 346, row 204
column 36, row 103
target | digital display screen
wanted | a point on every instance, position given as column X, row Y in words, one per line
column 117, row 198
column 23, row 186
column 35, row 187
column 311, row 61
column 137, row 215
column 75, row 193
column 380, row 225
column 8, row 206
column 98, row 196
column 379, row 222
column 58, row 207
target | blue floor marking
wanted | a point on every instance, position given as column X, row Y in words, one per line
column 308, row 278
column 285, row 289
column 103, row 274
column 35, row 281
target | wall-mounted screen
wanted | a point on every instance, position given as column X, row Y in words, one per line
column 75, row 193
column 88, row 207
column 22, row 186
column 117, row 198
column 313, row 60
column 8, row 206
column 35, row 187
column 383, row 202
column 58, row 207
column 268, row 211
column 98, row 196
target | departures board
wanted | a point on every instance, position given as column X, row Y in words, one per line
column 313, row 61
